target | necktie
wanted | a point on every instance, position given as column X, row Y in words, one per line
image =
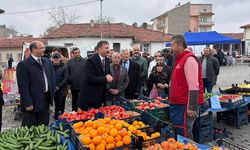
column 103, row 64
column 44, row 75
column 124, row 63
column 40, row 61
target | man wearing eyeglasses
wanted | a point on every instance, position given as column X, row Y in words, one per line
column 36, row 84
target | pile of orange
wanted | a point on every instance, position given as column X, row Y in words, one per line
column 103, row 134
column 172, row 144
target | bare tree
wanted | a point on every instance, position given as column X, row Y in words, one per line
column 59, row 17
column 5, row 31
column 104, row 20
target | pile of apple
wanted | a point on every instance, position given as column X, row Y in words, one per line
column 151, row 105
column 110, row 111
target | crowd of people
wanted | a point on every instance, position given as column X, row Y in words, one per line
column 103, row 77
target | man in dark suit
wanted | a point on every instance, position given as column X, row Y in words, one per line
column 36, row 84
column 93, row 89
column 119, row 73
column 133, row 89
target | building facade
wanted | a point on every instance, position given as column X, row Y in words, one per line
column 246, row 38
column 184, row 18
column 119, row 35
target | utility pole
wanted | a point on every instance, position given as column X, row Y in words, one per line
column 101, row 17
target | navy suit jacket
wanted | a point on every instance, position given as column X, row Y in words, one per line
column 93, row 88
column 30, row 82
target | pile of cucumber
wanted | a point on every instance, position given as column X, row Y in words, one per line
column 33, row 138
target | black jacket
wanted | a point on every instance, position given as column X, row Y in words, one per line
column 155, row 78
column 212, row 68
column 30, row 81
column 75, row 70
column 93, row 88
column 134, row 80
column 1, row 97
column 61, row 76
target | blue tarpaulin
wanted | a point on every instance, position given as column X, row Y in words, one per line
column 204, row 38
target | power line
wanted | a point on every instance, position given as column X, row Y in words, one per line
column 47, row 9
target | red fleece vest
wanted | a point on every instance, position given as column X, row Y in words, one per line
column 179, row 89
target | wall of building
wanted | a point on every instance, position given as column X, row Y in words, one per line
column 15, row 52
column 157, row 46
column 179, row 19
column 88, row 44
column 194, row 27
column 247, row 33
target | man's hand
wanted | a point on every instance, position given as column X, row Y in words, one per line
column 109, row 78
column 115, row 92
column 191, row 113
column 30, row 108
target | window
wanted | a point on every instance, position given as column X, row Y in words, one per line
column 203, row 29
column 116, row 47
column 146, row 47
column 203, row 19
column 19, row 57
column 68, row 44
column 8, row 55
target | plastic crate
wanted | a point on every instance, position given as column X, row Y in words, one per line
column 203, row 135
column 230, row 104
column 160, row 113
column 140, row 143
column 226, row 144
column 231, row 90
column 80, row 146
column 205, row 120
column 206, row 105
column 220, row 133
column 236, row 117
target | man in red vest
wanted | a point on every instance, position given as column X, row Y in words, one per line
column 186, row 89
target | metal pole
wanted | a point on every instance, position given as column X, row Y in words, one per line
column 101, row 17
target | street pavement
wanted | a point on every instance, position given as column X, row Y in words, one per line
column 228, row 75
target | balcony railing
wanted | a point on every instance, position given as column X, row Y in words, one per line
column 207, row 23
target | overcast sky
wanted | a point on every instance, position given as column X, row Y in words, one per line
column 229, row 14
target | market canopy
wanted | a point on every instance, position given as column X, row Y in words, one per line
column 204, row 38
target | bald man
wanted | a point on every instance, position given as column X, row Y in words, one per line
column 36, row 84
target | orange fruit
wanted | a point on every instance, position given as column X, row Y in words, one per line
column 97, row 140
column 132, row 129
column 93, row 133
column 112, row 122
column 135, row 123
column 118, row 144
column 107, row 119
column 110, row 146
column 104, row 142
column 113, row 132
column 118, row 126
column 180, row 145
column 164, row 145
column 85, row 140
column 100, row 147
column 110, row 139
column 95, row 125
column 123, row 132
column 172, row 146
column 101, row 130
column 88, row 123
column 91, row 146
column 126, row 140
column 118, row 138
column 171, row 140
